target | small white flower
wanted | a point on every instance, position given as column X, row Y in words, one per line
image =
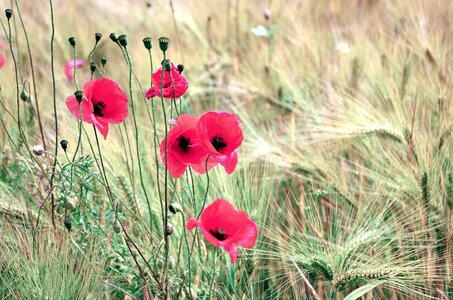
column 261, row 31
column 343, row 47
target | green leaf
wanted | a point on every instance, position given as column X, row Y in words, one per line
column 362, row 290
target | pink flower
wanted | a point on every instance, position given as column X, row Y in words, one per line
column 69, row 69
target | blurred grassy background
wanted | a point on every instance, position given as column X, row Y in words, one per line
column 351, row 98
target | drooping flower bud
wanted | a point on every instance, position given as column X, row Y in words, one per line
column 38, row 150
column 24, row 96
column 163, row 43
column 148, row 43
column 64, row 145
column 79, row 96
column 72, row 41
column 180, row 68
column 8, row 13
column 175, row 207
column 123, row 40
column 114, row 37
column 97, row 36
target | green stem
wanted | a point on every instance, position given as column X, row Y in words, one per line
column 32, row 75
column 129, row 62
column 52, row 40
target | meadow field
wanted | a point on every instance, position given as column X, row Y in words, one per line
column 226, row 149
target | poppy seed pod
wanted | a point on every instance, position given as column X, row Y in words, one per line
column 114, row 37
column 180, row 68
column 93, row 67
column 97, row 36
column 175, row 207
column 68, row 224
column 8, row 13
column 72, row 41
column 103, row 61
column 123, row 40
column 163, row 43
column 64, row 144
column 38, row 150
column 79, row 96
column 148, row 43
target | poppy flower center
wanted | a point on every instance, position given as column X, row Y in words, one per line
column 218, row 142
column 184, row 144
column 219, row 234
column 97, row 108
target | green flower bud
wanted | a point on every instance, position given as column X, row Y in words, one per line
column 103, row 61
column 97, row 36
column 8, row 13
column 64, row 144
column 72, row 41
column 114, row 37
column 79, row 96
column 93, row 67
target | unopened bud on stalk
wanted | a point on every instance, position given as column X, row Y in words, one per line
column 123, row 40
column 93, row 66
column 148, row 43
column 38, row 150
column 180, row 68
column 64, row 144
column 103, row 61
column 24, row 96
column 175, row 207
column 68, row 224
column 163, row 43
column 72, row 41
column 166, row 65
column 8, row 13
column 169, row 229
column 79, row 96
column 114, row 37
column 97, row 36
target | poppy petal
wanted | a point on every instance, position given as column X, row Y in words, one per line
column 74, row 108
column 191, row 224
column 230, row 163
column 233, row 251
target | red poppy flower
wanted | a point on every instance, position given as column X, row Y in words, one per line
column 185, row 146
column 224, row 226
column 69, row 69
column 104, row 103
column 179, row 88
column 223, row 135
